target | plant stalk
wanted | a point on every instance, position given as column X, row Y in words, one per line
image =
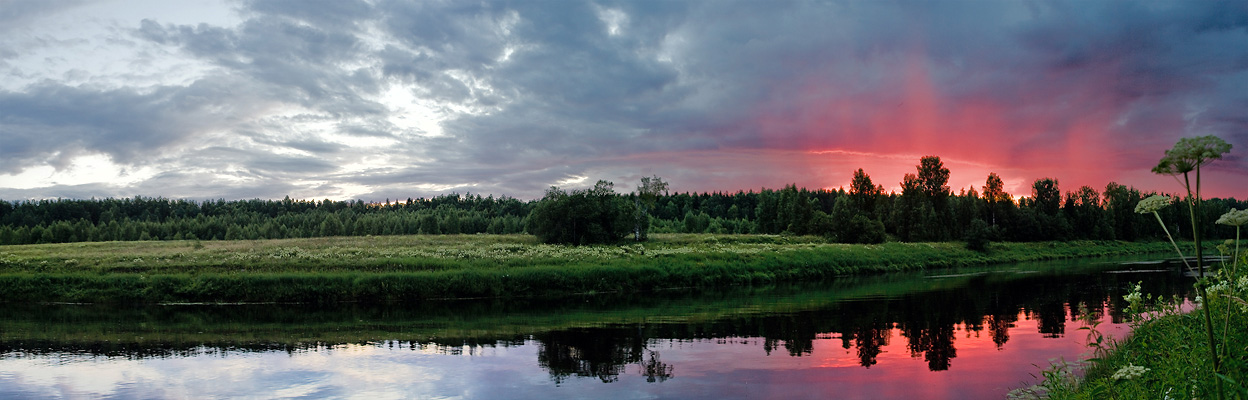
column 1172, row 243
column 1193, row 205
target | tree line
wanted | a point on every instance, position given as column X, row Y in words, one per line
column 140, row 218
column 926, row 209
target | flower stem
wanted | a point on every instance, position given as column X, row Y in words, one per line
column 1172, row 243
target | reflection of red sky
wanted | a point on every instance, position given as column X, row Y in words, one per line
column 980, row 370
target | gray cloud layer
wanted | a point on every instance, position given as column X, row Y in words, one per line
column 299, row 97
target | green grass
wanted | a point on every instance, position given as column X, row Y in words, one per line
column 420, row 267
column 1168, row 353
column 1173, row 349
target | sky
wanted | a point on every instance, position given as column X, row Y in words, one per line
column 375, row 100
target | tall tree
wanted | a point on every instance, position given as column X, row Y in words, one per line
column 933, row 177
column 765, row 213
column 863, row 193
column 994, row 193
column 1083, row 210
column 1046, row 206
column 911, row 216
column 647, row 194
column 1046, row 195
column 1120, row 204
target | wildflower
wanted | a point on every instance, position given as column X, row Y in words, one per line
column 1129, row 372
column 1220, row 287
column 1233, row 217
column 1134, row 297
column 1152, row 204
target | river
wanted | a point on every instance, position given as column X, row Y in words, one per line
column 964, row 334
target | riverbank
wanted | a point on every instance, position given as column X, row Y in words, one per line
column 421, row 267
column 493, row 320
column 1174, row 352
column 1167, row 356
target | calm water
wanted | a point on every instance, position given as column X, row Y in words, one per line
column 954, row 334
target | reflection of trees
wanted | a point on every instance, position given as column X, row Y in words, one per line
column 1051, row 319
column 868, row 341
column 600, row 353
column 655, row 370
column 926, row 320
column 999, row 327
column 934, row 343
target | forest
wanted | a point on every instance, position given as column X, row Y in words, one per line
column 925, row 210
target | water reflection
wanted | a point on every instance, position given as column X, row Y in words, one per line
column 927, row 322
column 857, row 337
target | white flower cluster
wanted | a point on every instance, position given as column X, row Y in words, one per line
column 1134, row 297
column 1152, row 204
column 1129, row 372
column 1219, row 287
column 7, row 259
column 243, row 256
column 1234, row 218
column 541, row 251
column 290, row 253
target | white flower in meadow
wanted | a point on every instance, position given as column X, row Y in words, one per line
column 1131, row 371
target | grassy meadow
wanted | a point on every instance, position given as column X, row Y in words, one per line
column 419, row 267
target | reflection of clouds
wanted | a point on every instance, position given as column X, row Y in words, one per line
column 704, row 368
column 350, row 370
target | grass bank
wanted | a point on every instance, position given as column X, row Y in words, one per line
column 413, row 268
column 477, row 321
column 1165, row 358
column 1167, row 355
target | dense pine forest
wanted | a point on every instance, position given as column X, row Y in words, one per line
column 925, row 210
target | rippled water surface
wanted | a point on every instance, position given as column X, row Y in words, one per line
column 946, row 334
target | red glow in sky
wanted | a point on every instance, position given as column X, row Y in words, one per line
column 1074, row 137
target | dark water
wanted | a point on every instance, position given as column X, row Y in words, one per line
column 948, row 334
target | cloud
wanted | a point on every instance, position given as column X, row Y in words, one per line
column 398, row 99
column 51, row 123
column 16, row 15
